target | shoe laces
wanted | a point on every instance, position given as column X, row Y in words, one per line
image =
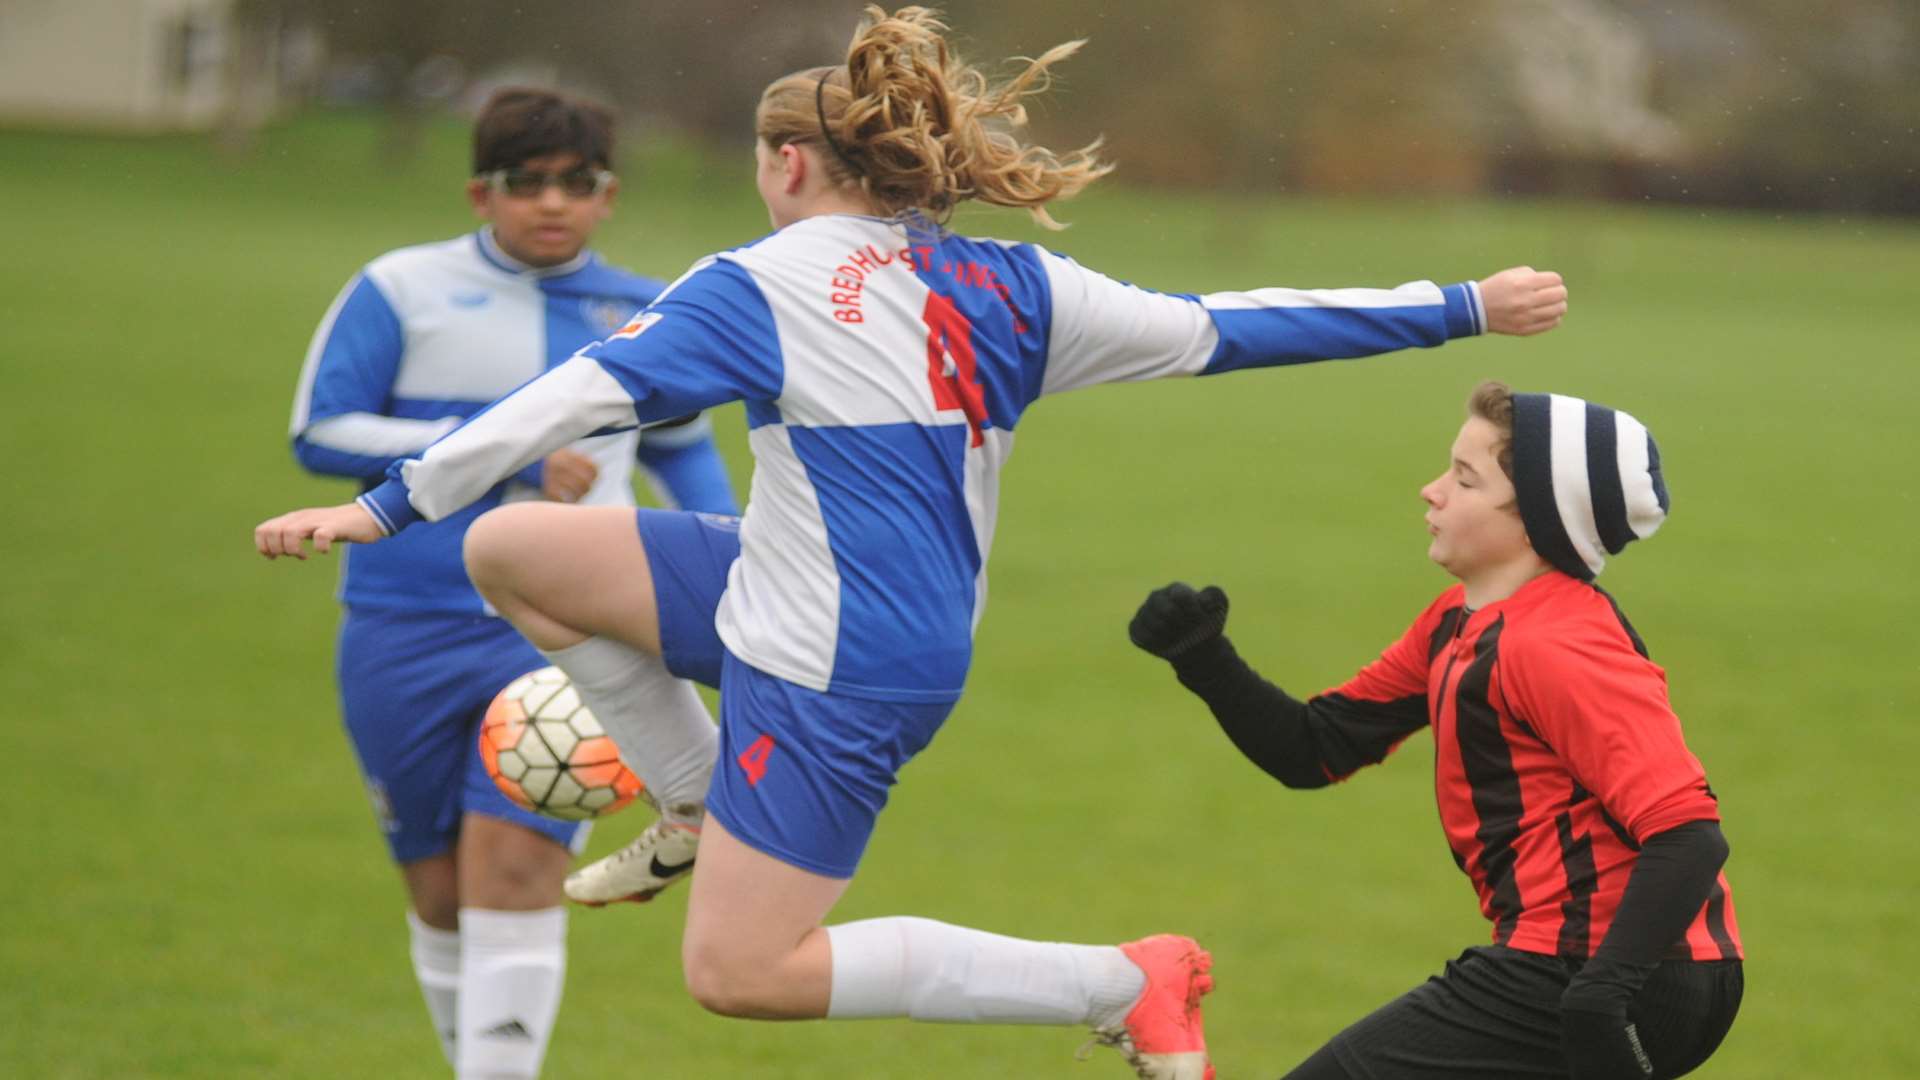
column 1116, row 1038
column 642, row 844
column 649, row 840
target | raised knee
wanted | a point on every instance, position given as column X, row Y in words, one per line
column 492, row 543
column 719, row 984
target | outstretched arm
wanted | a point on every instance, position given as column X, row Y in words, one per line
column 1102, row 330
column 575, row 399
column 1306, row 744
column 701, row 344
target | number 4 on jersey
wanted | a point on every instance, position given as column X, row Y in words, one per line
column 950, row 364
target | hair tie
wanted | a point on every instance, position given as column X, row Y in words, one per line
column 820, row 109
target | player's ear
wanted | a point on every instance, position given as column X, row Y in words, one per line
column 480, row 197
column 794, row 164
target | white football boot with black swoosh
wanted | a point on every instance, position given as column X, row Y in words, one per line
column 657, row 858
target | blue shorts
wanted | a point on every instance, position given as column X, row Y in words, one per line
column 689, row 555
column 802, row 775
column 413, row 687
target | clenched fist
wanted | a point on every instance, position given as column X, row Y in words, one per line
column 1523, row 301
column 1175, row 619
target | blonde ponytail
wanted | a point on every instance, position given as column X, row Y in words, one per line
column 916, row 128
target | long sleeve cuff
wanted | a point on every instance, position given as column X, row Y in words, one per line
column 1466, row 315
column 390, row 507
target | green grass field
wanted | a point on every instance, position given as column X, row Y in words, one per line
column 193, row 886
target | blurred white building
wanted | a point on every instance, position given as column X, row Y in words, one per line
column 143, row 64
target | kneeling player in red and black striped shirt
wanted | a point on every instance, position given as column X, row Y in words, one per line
column 1565, row 788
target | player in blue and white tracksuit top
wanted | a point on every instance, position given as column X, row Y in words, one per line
column 418, row 341
column 421, row 339
column 884, row 367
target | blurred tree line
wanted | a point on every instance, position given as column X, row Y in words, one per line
column 1771, row 103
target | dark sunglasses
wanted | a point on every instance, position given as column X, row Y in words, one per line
column 527, row 183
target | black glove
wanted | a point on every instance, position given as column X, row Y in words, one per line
column 1602, row 1046
column 1175, row 619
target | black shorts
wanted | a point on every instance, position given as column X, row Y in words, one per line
column 1494, row 1014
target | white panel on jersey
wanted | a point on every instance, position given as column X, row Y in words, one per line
column 1108, row 331
column 377, row 436
column 473, row 332
column 612, row 486
column 613, row 455
column 310, row 369
column 781, row 612
column 982, row 484
column 840, row 373
column 1412, row 294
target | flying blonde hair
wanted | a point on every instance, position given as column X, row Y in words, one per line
column 917, row 128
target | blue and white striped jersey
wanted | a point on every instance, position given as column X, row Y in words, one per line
column 424, row 337
column 884, row 369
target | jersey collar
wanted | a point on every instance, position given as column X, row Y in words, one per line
column 492, row 252
column 1540, row 592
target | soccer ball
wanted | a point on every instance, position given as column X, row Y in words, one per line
column 546, row 751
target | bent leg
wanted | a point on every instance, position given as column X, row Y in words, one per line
column 1323, row 1065
column 1684, row 1012
column 577, row 582
column 1492, row 1015
column 804, row 776
column 561, row 574
column 754, row 946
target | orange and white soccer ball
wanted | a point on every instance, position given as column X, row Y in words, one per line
column 546, row 751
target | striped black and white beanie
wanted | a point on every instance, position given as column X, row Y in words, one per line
column 1587, row 479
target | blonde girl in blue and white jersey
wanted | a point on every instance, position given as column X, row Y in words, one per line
column 884, row 363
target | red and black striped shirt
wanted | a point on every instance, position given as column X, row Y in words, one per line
column 1557, row 755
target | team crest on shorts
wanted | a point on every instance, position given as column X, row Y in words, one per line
column 382, row 806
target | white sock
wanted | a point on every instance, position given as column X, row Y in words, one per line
column 658, row 721
column 932, row 971
column 436, row 964
column 512, row 967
